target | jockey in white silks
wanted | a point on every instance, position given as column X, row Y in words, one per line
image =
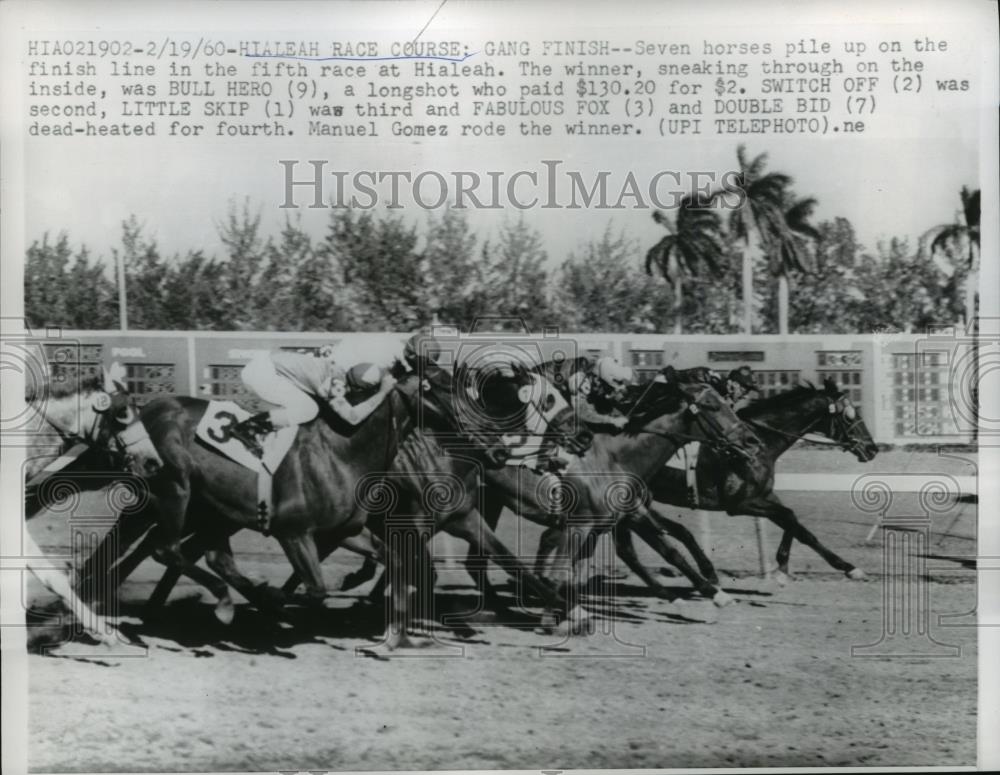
column 605, row 383
column 294, row 381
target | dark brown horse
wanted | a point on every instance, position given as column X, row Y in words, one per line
column 332, row 482
column 779, row 421
column 606, row 489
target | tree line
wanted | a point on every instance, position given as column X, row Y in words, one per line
column 375, row 271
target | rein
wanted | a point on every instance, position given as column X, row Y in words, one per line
column 801, row 436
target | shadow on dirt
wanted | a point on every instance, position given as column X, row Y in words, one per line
column 456, row 614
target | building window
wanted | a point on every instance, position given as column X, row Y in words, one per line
column 647, row 358
column 775, row 381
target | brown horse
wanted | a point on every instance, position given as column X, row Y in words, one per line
column 606, row 489
column 329, row 485
column 779, row 421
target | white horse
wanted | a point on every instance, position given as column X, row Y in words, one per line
column 88, row 413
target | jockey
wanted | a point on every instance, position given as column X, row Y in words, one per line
column 580, row 389
column 741, row 387
column 294, row 381
column 613, row 379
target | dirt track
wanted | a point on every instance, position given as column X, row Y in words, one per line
column 768, row 681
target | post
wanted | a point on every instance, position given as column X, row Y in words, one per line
column 122, row 300
column 761, row 548
column 747, row 291
column 704, row 533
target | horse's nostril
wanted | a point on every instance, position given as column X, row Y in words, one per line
column 151, row 466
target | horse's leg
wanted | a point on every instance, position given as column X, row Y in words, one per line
column 548, row 542
column 625, row 548
column 372, row 549
column 125, row 532
column 303, row 554
column 364, row 543
column 485, row 543
column 771, row 507
column 493, row 507
column 649, row 533
column 173, row 499
column 784, row 551
column 219, row 556
column 677, row 531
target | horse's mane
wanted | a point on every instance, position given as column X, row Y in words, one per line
column 650, row 401
column 784, row 399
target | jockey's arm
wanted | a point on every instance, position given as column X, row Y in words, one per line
column 356, row 414
column 586, row 412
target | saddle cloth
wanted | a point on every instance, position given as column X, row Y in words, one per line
column 214, row 431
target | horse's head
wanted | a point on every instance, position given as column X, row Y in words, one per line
column 100, row 412
column 692, row 412
column 846, row 426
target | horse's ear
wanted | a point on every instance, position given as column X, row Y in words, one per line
column 831, row 387
column 669, row 374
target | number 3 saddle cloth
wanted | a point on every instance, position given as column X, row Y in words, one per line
column 214, row 431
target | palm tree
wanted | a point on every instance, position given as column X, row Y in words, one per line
column 953, row 237
column 693, row 239
column 759, row 220
column 792, row 248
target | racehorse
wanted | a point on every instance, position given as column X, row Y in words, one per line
column 605, row 489
column 93, row 418
column 779, row 421
column 324, row 490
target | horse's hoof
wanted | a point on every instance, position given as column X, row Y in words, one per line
column 856, row 574
column 780, row 578
column 355, row 580
column 225, row 611
column 722, row 599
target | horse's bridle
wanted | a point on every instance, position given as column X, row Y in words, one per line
column 714, row 434
column 841, row 437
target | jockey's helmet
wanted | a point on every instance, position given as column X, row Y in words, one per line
column 363, row 377
column 612, row 373
column 743, row 376
column 422, row 344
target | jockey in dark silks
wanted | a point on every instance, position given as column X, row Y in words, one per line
column 741, row 388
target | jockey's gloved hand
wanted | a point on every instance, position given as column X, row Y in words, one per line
column 579, row 443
